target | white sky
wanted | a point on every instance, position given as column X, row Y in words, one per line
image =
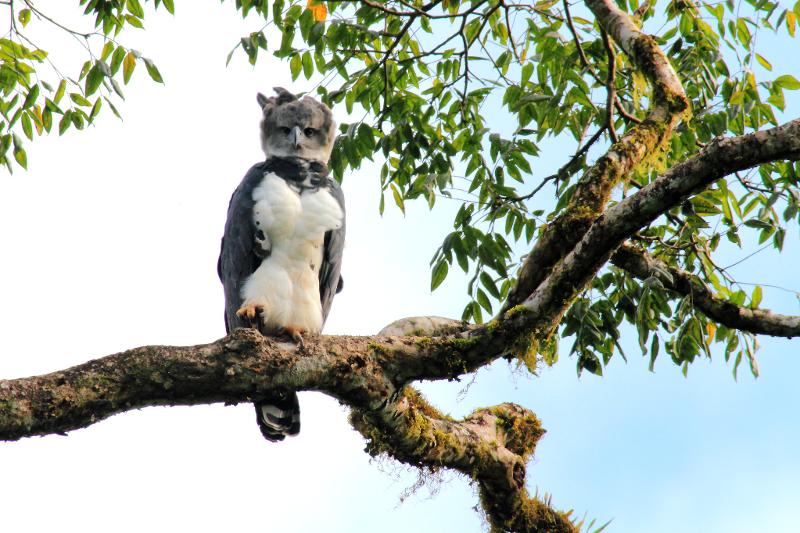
column 110, row 241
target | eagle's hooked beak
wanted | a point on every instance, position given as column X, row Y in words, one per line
column 294, row 136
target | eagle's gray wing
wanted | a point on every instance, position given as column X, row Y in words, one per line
column 330, row 279
column 240, row 253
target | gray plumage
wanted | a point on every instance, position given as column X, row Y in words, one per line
column 264, row 240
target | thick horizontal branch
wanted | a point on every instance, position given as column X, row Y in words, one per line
column 593, row 191
column 642, row 265
column 360, row 371
column 369, row 374
column 231, row 370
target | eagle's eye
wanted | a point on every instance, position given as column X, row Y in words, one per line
column 309, row 132
column 285, row 130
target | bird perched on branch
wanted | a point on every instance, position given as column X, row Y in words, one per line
column 281, row 253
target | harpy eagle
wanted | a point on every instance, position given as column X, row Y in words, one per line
column 281, row 252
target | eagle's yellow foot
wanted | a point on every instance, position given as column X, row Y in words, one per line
column 296, row 335
column 249, row 311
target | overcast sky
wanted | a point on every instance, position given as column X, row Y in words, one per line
column 110, row 241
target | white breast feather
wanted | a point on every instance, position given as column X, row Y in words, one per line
column 286, row 284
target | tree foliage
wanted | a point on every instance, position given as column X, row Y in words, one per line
column 458, row 99
column 654, row 105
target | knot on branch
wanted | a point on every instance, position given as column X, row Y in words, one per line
column 422, row 325
column 517, row 426
column 244, row 340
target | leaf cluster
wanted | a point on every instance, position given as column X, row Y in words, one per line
column 457, row 101
column 461, row 98
column 35, row 95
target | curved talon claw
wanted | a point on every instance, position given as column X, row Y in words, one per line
column 296, row 335
column 249, row 311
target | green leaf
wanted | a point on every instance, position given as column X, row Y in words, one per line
column 787, row 81
column 95, row 109
column 483, row 300
column 107, row 49
column 438, row 274
column 30, row 99
column 64, row 123
column 79, row 99
column 116, row 59
column 27, row 127
column 47, row 119
column 62, row 87
column 763, row 62
column 135, row 8
column 93, row 80
column 308, row 65
column 24, row 17
column 5, row 144
column 488, row 282
column 21, row 157
column 654, row 346
column 295, row 64
column 398, row 198
column 476, row 312
column 755, row 299
column 152, row 70
column 133, row 21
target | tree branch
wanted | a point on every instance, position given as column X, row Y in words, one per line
column 642, row 265
column 717, row 160
column 491, row 445
column 668, row 105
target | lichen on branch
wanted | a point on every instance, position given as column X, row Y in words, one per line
column 491, row 446
column 638, row 144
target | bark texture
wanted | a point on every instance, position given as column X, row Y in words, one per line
column 491, row 446
column 643, row 266
column 636, row 145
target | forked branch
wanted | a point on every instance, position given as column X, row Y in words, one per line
column 491, row 445
column 668, row 105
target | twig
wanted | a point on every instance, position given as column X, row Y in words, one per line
column 611, row 90
column 582, row 150
column 581, row 53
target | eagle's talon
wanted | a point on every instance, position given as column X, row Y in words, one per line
column 249, row 311
column 296, row 335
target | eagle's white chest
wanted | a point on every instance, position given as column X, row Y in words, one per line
column 286, row 284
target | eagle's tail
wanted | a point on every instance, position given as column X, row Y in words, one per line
column 278, row 416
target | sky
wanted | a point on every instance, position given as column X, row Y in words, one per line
column 110, row 241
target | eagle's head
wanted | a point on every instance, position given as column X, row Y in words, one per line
column 293, row 127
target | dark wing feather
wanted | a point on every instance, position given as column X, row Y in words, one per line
column 330, row 281
column 240, row 254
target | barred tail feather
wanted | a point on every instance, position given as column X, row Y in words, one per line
column 278, row 416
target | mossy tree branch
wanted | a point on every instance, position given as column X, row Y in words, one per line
column 668, row 105
column 718, row 159
column 642, row 265
column 491, row 445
